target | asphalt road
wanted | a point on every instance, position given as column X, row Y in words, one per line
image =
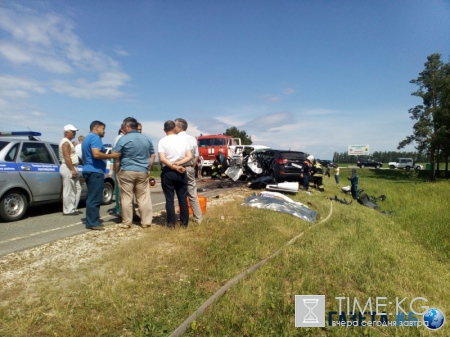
column 44, row 224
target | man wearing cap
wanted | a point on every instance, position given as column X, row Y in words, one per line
column 94, row 160
column 69, row 172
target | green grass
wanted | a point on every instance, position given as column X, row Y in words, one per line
column 150, row 286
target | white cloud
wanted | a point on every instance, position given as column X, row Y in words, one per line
column 232, row 121
column 271, row 98
column 317, row 112
column 288, row 91
column 105, row 87
column 13, row 83
column 14, row 53
column 38, row 113
column 271, row 120
column 120, row 51
column 47, row 41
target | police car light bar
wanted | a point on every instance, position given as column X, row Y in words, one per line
column 19, row 133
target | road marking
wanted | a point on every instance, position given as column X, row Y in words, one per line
column 55, row 229
column 42, row 232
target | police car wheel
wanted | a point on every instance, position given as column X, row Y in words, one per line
column 13, row 205
column 108, row 192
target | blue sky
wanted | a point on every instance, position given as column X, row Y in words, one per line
column 314, row 76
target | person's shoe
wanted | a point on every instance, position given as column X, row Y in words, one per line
column 124, row 226
column 183, row 225
column 72, row 213
column 78, row 211
column 170, row 226
column 96, row 228
column 197, row 220
column 146, row 226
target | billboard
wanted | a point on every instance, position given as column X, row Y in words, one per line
column 358, row 150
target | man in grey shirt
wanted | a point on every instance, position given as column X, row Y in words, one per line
column 180, row 128
column 132, row 171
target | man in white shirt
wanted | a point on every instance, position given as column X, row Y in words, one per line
column 174, row 152
column 180, row 128
column 69, row 172
column 78, row 147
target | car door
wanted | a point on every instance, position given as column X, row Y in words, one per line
column 40, row 171
column 55, row 149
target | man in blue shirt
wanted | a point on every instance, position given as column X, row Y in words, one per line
column 132, row 171
column 94, row 159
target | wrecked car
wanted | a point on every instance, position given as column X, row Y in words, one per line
column 277, row 164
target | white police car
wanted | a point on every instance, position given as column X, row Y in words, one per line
column 29, row 175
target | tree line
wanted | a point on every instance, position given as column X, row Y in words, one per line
column 382, row 156
column 431, row 132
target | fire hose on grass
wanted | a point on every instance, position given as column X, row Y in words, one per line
column 186, row 324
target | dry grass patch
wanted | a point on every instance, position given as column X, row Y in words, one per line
column 138, row 282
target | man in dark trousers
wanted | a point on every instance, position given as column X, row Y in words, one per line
column 317, row 175
column 219, row 166
column 174, row 152
column 94, row 159
column 354, row 181
column 306, row 168
column 180, row 128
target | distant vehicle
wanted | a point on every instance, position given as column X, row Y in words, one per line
column 369, row 163
column 325, row 162
column 29, row 175
column 405, row 163
column 209, row 146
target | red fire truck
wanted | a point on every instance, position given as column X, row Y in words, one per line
column 208, row 147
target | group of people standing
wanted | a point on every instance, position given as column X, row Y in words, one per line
column 133, row 156
column 312, row 172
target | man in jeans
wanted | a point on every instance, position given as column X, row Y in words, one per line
column 132, row 171
column 180, row 128
column 94, row 159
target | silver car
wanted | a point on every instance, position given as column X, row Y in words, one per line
column 29, row 175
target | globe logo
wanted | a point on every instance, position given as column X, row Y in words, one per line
column 433, row 319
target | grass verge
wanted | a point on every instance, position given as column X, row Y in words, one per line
column 148, row 285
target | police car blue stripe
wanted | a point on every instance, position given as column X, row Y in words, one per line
column 20, row 133
column 38, row 167
column 8, row 167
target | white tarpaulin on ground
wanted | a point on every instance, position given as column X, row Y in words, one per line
column 277, row 202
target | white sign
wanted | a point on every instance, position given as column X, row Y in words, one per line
column 358, row 150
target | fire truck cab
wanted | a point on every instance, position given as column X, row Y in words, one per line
column 209, row 146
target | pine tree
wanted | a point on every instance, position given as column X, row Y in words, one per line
column 426, row 129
